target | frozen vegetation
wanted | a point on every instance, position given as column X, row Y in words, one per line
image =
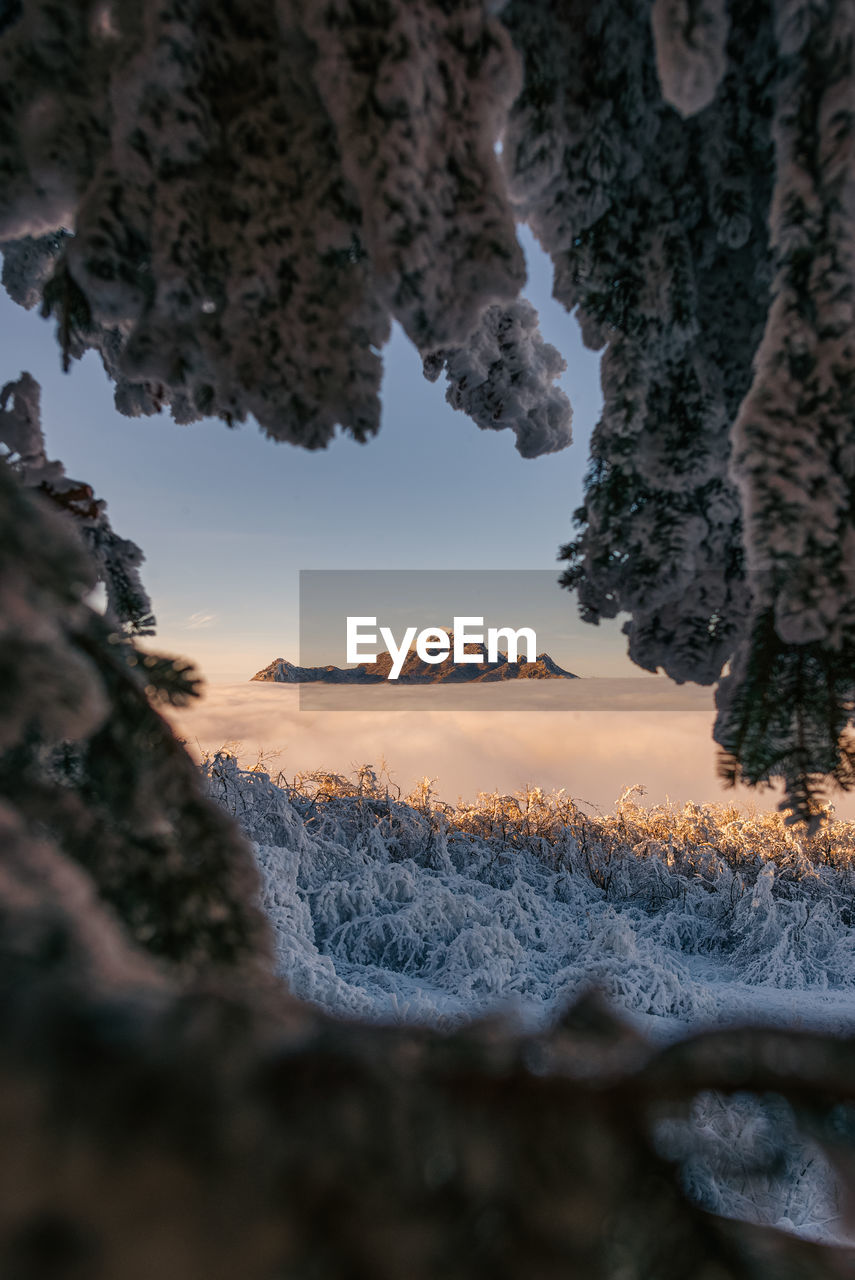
column 402, row 907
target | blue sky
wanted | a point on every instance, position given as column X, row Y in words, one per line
column 227, row 518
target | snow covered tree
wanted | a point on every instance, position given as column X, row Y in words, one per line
column 691, row 172
column 786, row 707
column 85, row 758
column 656, row 226
column 232, row 201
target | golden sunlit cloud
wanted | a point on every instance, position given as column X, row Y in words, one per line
column 593, row 755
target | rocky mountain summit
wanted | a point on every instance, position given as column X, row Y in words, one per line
column 416, row 671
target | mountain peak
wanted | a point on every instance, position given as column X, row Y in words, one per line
column 416, row 671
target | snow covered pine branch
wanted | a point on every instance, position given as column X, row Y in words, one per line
column 118, row 559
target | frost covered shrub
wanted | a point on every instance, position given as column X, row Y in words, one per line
column 407, row 909
column 405, row 904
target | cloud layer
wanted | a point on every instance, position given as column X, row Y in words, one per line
column 594, row 755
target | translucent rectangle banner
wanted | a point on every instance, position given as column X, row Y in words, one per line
column 461, row 640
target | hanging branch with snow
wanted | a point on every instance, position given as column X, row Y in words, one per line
column 786, row 707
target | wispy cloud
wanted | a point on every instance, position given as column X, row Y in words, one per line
column 197, row 621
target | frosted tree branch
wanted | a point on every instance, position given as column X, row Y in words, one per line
column 254, row 196
column 504, row 377
column 118, row 559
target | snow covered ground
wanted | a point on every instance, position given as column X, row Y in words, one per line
column 392, row 910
